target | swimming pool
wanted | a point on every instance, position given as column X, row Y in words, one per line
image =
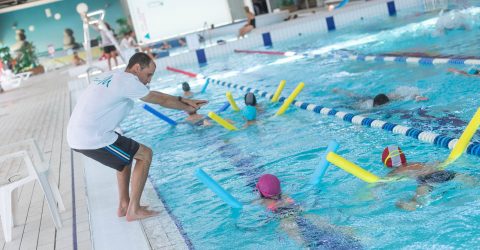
column 290, row 147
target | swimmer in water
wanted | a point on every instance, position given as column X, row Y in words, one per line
column 400, row 93
column 471, row 72
column 249, row 112
column 186, row 90
column 308, row 230
column 195, row 119
column 427, row 176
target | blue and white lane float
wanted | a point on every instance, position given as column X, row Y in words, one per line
column 404, row 59
column 424, row 136
column 376, row 58
column 217, row 189
column 159, row 115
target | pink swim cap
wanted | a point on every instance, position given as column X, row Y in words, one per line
column 268, row 185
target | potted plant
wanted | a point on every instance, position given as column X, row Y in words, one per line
column 27, row 60
column 5, row 56
column 123, row 25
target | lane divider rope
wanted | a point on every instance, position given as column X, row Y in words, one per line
column 374, row 58
column 424, row 136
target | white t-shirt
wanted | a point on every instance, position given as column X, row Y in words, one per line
column 105, row 38
column 101, row 108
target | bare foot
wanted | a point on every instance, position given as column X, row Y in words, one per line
column 122, row 211
column 141, row 213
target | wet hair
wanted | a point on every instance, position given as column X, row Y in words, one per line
column 69, row 31
column 250, row 99
column 380, row 99
column 141, row 58
column 185, row 86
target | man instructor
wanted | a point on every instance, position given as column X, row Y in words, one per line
column 101, row 108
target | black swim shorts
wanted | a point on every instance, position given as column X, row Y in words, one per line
column 117, row 155
column 436, row 177
column 109, row 48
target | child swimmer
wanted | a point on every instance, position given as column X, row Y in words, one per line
column 249, row 112
column 307, row 230
column 427, row 176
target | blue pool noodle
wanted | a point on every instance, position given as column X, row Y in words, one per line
column 341, row 4
column 159, row 115
column 217, row 189
column 223, row 108
column 322, row 168
column 205, row 86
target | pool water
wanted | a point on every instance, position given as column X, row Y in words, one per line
column 290, row 146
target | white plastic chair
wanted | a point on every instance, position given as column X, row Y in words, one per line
column 9, row 80
column 35, row 172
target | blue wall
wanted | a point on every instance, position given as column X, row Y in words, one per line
column 50, row 31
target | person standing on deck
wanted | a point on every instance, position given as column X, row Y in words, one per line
column 101, row 108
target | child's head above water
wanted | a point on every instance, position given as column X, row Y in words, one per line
column 185, row 86
column 393, row 157
column 250, row 112
column 250, row 99
column 380, row 99
column 268, row 186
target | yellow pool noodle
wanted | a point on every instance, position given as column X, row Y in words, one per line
column 280, row 87
column 221, row 121
column 290, row 99
column 464, row 139
column 231, row 101
column 352, row 168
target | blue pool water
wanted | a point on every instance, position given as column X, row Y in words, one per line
column 290, row 146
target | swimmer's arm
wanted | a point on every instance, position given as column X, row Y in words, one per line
column 457, row 71
column 418, row 98
column 173, row 102
column 347, row 93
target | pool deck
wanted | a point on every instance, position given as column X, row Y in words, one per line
column 40, row 109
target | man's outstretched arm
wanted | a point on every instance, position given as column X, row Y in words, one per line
column 173, row 102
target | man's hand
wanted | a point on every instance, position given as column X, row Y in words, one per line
column 196, row 104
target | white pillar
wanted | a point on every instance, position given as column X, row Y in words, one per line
column 269, row 6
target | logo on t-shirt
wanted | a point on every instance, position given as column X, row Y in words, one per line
column 104, row 82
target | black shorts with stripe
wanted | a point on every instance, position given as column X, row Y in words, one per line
column 117, row 155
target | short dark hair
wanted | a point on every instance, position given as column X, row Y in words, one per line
column 185, row 86
column 250, row 99
column 141, row 58
column 380, row 99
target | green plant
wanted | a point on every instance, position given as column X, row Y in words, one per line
column 5, row 55
column 27, row 58
column 124, row 27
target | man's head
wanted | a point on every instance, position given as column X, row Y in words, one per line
column 380, row 99
column 141, row 65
